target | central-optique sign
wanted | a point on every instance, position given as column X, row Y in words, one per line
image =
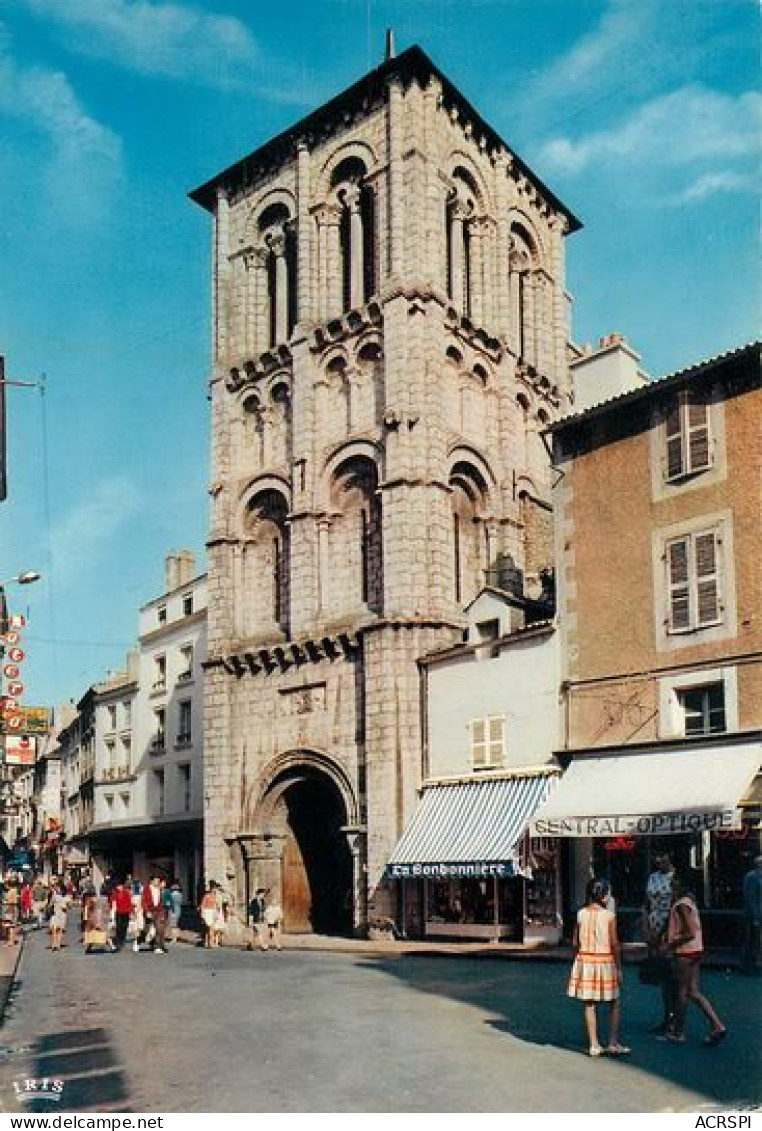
column 649, row 824
column 478, row 869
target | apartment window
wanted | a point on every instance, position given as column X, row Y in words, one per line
column 187, row 604
column 159, row 673
column 184, row 780
column 687, row 436
column 127, row 712
column 126, row 764
column 158, row 791
column 703, row 709
column 186, row 662
column 693, row 580
column 111, row 716
column 184, row 722
column 125, row 799
column 161, row 614
column 111, row 758
column 160, row 719
column 109, row 799
column 488, row 742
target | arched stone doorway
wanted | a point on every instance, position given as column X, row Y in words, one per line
column 307, row 812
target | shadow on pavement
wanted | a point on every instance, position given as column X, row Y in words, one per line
column 80, row 1069
column 528, row 1002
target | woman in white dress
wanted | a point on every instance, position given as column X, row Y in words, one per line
column 59, row 907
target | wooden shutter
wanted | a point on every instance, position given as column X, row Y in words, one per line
column 678, row 585
column 707, row 579
column 698, row 435
column 674, row 430
column 479, row 742
column 496, row 740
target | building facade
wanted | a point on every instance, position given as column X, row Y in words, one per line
column 390, row 339
column 132, row 759
column 658, row 529
column 465, row 865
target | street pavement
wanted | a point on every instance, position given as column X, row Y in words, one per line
column 351, row 1031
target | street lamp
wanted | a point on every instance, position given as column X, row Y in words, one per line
column 25, row 578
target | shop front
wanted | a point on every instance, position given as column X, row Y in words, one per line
column 466, row 869
column 699, row 802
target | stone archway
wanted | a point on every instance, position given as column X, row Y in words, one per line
column 307, row 813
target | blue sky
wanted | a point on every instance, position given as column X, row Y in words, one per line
column 642, row 115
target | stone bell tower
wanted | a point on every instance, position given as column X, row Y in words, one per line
column 390, row 338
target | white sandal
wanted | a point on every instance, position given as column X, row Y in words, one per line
column 595, row 1050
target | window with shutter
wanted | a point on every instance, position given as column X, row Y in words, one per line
column 698, row 435
column 479, row 742
column 488, row 742
column 496, row 740
column 707, row 589
column 693, row 580
column 679, row 592
column 687, row 436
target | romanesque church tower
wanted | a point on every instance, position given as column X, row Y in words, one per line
column 390, row 339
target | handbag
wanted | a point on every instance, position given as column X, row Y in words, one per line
column 653, row 970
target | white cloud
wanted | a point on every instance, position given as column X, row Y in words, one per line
column 710, row 184
column 687, row 126
column 164, row 39
column 47, row 100
column 80, row 537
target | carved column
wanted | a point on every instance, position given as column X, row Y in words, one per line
column 396, row 197
column 356, row 259
column 277, row 243
column 221, row 275
column 304, row 284
column 329, row 275
column 458, row 214
column 323, row 563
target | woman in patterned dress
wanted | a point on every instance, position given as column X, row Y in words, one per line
column 597, row 971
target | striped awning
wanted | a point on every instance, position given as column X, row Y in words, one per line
column 470, row 828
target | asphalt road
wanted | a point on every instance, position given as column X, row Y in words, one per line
column 299, row 1031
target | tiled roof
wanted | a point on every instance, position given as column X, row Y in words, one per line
column 659, row 384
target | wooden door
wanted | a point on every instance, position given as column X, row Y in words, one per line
column 297, row 897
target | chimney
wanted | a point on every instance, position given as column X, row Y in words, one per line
column 186, row 566
column 172, row 571
column 390, row 49
column 181, row 568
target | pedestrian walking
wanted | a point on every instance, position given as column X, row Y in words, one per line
column 257, row 909
column 212, row 915
column 175, row 900
column 60, row 901
column 26, row 902
column 656, row 908
column 154, row 914
column 596, row 975
column 685, row 944
column 39, row 901
column 273, row 924
column 752, row 906
column 121, row 902
column 12, row 905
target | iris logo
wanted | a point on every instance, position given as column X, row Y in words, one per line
column 46, row 1088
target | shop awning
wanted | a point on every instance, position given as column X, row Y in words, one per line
column 651, row 792
column 470, row 828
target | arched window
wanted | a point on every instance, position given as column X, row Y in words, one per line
column 521, row 263
column 280, row 423
column 356, row 537
column 279, row 239
column 356, row 232
column 266, row 567
column 469, row 531
column 460, row 212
